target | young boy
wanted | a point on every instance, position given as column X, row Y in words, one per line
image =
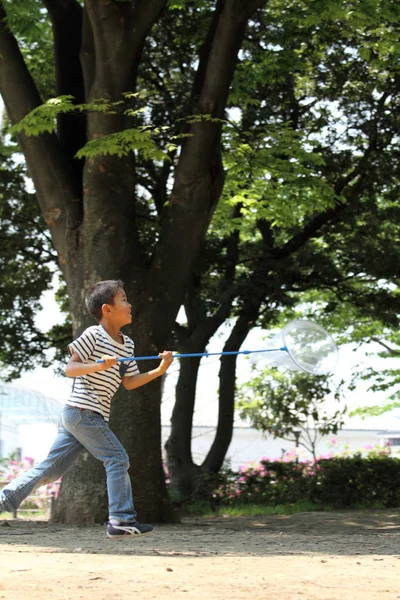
column 83, row 422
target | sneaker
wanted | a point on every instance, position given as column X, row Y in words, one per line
column 127, row 529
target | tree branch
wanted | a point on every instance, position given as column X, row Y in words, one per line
column 392, row 351
column 66, row 17
column 56, row 187
column 226, row 401
column 311, row 230
column 199, row 176
column 314, row 226
column 118, row 47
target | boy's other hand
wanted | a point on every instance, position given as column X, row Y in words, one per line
column 166, row 360
column 109, row 361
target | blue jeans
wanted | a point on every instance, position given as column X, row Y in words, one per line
column 79, row 430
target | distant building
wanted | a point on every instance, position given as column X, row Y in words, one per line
column 249, row 445
column 28, row 420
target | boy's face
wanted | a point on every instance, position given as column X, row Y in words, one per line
column 121, row 311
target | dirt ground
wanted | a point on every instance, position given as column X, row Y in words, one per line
column 307, row 556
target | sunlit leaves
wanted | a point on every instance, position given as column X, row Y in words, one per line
column 43, row 119
column 123, row 143
column 276, row 176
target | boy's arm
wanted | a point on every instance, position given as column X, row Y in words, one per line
column 75, row 367
column 131, row 382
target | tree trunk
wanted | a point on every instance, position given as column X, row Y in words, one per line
column 136, row 422
column 226, row 398
column 72, row 505
column 182, row 470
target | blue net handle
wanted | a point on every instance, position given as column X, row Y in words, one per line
column 194, row 354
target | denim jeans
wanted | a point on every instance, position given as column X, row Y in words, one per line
column 79, row 430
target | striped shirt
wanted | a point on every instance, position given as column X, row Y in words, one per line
column 95, row 391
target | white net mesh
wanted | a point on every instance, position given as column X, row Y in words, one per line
column 310, row 347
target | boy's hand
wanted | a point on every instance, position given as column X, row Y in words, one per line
column 166, row 360
column 109, row 361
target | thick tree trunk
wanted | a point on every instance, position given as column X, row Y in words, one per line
column 136, row 422
column 73, row 504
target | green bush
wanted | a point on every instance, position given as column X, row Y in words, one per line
column 338, row 482
column 357, row 481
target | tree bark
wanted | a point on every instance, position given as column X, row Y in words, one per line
column 72, row 504
column 226, row 401
column 56, row 188
column 183, row 472
column 66, row 18
column 199, row 175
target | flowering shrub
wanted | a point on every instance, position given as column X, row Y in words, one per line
column 11, row 468
column 166, row 472
column 269, row 482
column 341, row 481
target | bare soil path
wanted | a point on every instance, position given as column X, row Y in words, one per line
column 307, row 556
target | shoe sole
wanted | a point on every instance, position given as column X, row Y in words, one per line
column 127, row 535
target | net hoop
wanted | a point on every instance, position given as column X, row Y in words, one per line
column 310, row 347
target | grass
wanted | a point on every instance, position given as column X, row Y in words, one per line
column 205, row 509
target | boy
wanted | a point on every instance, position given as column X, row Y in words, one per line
column 83, row 422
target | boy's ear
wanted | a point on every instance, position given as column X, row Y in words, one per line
column 106, row 309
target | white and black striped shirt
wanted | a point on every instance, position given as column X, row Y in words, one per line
column 96, row 390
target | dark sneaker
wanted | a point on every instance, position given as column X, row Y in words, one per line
column 127, row 529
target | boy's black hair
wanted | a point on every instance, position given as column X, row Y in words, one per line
column 102, row 292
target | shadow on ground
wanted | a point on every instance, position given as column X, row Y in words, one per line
column 340, row 533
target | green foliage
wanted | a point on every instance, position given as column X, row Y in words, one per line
column 28, row 20
column 209, row 509
column 357, row 482
column 123, row 143
column 60, row 334
column 44, row 119
column 276, row 177
column 25, row 270
column 283, row 403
